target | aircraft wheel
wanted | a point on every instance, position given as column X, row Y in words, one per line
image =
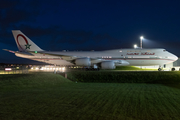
column 173, row 69
column 159, row 69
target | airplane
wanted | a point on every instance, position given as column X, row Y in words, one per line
column 107, row 59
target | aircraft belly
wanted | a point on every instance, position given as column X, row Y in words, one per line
column 147, row 62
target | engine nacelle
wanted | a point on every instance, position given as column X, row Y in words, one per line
column 83, row 62
column 108, row 65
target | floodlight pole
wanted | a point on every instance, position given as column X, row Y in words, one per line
column 141, row 38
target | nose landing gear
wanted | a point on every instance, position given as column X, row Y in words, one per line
column 164, row 66
column 159, row 69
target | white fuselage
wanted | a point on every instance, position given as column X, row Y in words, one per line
column 135, row 57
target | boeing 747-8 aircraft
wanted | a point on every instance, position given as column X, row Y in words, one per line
column 107, row 59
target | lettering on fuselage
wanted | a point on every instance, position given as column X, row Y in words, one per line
column 145, row 53
column 132, row 53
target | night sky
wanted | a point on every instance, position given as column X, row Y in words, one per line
column 57, row 25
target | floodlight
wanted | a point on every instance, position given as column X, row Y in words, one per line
column 135, row 46
column 141, row 37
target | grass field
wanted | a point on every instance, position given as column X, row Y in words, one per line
column 128, row 68
column 49, row 96
column 134, row 68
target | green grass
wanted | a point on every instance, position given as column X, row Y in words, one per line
column 48, row 96
column 127, row 68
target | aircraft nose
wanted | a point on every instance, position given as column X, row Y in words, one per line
column 175, row 57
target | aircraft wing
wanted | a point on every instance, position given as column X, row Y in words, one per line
column 64, row 57
column 71, row 58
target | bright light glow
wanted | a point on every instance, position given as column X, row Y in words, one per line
column 60, row 69
column 141, row 37
column 8, row 69
column 135, row 46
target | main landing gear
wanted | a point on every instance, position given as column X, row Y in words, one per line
column 173, row 69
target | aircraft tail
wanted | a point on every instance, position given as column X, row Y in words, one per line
column 24, row 43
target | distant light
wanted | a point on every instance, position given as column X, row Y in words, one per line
column 37, row 68
column 135, row 46
column 8, row 69
column 35, row 51
column 41, row 68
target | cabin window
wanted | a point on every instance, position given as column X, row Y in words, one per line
column 164, row 50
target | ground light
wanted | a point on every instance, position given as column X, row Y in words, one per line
column 8, row 69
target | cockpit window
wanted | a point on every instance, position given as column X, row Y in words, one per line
column 164, row 50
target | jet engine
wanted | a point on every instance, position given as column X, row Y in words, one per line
column 83, row 62
column 108, row 65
